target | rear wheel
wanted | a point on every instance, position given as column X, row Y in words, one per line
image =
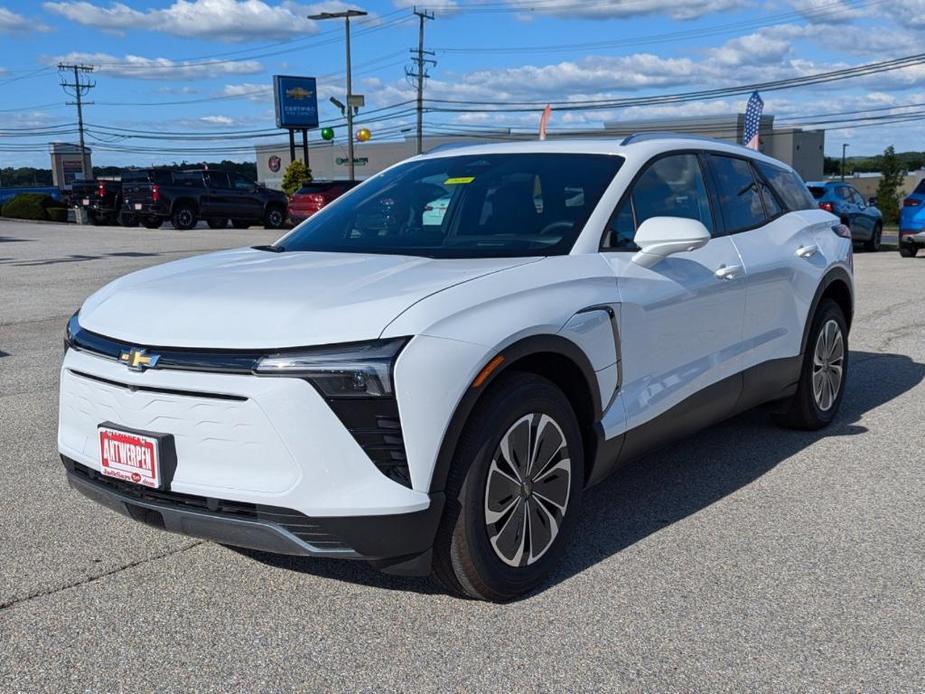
column 128, row 220
column 873, row 244
column 908, row 250
column 274, row 218
column 823, row 374
column 217, row 223
column 513, row 492
column 184, row 217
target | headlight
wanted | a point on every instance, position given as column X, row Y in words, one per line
column 356, row 370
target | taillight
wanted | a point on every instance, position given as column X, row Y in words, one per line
column 102, row 190
column 911, row 202
column 842, row 230
column 155, row 192
column 827, row 206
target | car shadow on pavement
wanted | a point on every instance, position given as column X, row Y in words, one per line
column 667, row 486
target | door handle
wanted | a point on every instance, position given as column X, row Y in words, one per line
column 728, row 272
column 807, row 251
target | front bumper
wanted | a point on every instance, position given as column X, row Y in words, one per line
column 387, row 540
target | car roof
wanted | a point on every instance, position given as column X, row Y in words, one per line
column 644, row 145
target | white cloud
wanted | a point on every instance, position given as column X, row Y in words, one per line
column 610, row 9
column 218, row 120
column 12, row 23
column 252, row 92
column 138, row 67
column 829, row 12
column 224, row 20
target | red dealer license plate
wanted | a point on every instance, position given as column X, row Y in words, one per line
column 130, row 457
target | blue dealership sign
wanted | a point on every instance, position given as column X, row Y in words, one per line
column 296, row 102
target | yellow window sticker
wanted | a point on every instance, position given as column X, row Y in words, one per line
column 459, row 180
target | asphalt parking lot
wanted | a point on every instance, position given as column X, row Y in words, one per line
column 745, row 558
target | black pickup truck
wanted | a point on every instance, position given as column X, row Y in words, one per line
column 185, row 197
column 102, row 200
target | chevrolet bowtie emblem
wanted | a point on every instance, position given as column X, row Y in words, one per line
column 138, row 359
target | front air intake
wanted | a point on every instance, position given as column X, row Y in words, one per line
column 374, row 424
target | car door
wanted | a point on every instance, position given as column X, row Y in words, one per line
column 680, row 320
column 247, row 200
column 219, row 198
column 865, row 218
column 785, row 262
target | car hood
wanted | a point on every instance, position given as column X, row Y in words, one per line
column 247, row 298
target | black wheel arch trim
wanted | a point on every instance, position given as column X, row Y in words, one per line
column 834, row 274
column 528, row 346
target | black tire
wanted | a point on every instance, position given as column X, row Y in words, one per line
column 217, row 223
column 274, row 218
column 152, row 222
column 805, row 410
column 908, row 250
column 184, row 217
column 240, row 223
column 873, row 245
column 96, row 220
column 128, row 220
column 467, row 555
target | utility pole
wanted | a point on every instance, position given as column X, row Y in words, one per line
column 79, row 90
column 421, row 74
column 843, row 148
column 351, row 101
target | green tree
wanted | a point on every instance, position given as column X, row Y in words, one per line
column 892, row 173
column 296, row 174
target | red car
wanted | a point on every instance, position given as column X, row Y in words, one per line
column 311, row 197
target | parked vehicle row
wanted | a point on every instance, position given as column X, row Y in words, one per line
column 428, row 374
column 102, row 201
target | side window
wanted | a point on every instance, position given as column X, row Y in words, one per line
column 857, row 199
column 738, row 192
column 671, row 186
column 771, row 206
column 217, row 179
column 788, row 186
column 844, row 192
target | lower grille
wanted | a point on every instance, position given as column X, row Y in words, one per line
column 300, row 525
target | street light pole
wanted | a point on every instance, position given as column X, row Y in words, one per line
column 346, row 15
column 843, row 148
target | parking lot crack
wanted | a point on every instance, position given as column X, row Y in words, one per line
column 92, row 579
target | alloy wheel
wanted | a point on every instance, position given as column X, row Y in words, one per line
column 527, row 489
column 828, row 365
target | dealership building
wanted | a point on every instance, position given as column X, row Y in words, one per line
column 802, row 149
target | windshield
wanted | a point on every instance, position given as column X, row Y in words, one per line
column 473, row 206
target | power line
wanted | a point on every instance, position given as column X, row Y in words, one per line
column 79, row 90
column 420, row 73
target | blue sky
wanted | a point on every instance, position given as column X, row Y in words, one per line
column 202, row 68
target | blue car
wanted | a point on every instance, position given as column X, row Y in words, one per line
column 912, row 222
column 864, row 220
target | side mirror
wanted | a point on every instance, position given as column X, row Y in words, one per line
column 659, row 237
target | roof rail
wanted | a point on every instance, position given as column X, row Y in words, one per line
column 667, row 134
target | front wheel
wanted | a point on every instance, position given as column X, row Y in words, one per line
column 184, row 218
column 274, row 218
column 908, row 250
column 513, row 492
column 873, row 244
column 823, row 374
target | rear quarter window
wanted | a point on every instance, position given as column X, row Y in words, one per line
column 789, row 187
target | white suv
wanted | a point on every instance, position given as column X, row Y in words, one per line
column 433, row 393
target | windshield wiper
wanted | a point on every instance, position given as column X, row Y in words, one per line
column 270, row 248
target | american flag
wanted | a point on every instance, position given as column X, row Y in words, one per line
column 752, row 121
